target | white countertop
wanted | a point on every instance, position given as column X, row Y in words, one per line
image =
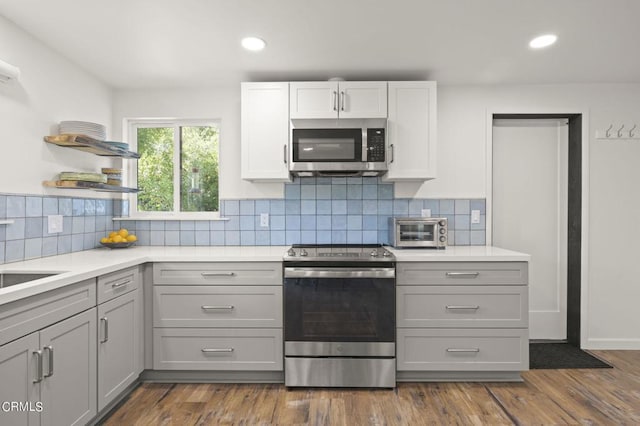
column 459, row 254
column 75, row 267
column 78, row 266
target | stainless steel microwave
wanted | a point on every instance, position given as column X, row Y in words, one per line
column 338, row 152
column 426, row 232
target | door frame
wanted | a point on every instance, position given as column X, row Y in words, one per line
column 578, row 242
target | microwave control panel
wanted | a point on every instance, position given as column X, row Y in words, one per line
column 375, row 145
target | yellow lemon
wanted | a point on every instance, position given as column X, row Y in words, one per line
column 104, row 240
column 123, row 233
column 118, row 239
column 131, row 238
column 112, row 234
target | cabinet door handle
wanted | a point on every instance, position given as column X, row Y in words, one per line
column 39, row 375
column 49, row 350
column 335, row 100
column 462, row 274
column 217, row 274
column 223, row 350
column 285, row 154
column 343, row 98
column 456, row 350
column 105, row 320
column 390, row 153
column 121, row 283
column 222, row 307
column 454, row 307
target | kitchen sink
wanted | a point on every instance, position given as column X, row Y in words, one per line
column 7, row 279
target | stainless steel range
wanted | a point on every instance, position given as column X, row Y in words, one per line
column 339, row 316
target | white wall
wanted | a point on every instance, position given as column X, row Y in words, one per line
column 50, row 89
column 221, row 103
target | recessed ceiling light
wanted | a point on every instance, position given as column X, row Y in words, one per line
column 543, row 41
column 253, row 43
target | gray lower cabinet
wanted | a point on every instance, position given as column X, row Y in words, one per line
column 244, row 349
column 48, row 357
column 19, row 370
column 56, row 367
column 217, row 316
column 457, row 317
column 68, row 388
column 119, row 345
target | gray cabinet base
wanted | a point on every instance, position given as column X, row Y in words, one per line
column 459, row 376
column 184, row 376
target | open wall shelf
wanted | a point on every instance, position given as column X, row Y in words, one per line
column 87, row 144
column 94, row 186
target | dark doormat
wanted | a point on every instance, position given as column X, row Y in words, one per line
column 545, row 356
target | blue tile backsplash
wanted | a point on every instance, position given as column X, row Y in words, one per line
column 85, row 221
column 314, row 211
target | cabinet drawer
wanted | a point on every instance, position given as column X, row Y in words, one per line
column 463, row 350
column 217, row 349
column 27, row 315
column 117, row 283
column 222, row 273
column 217, row 306
column 462, row 306
column 462, row 273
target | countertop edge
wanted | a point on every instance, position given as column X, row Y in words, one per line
column 89, row 264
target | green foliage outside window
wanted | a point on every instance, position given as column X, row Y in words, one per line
column 198, row 169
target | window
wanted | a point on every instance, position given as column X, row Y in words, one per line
column 177, row 172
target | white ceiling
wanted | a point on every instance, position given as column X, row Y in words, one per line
column 177, row 43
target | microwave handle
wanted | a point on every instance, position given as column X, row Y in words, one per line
column 285, row 153
column 390, row 153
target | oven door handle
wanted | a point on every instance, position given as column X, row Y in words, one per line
column 339, row 272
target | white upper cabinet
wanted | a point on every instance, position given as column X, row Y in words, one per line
column 264, row 131
column 344, row 99
column 411, row 131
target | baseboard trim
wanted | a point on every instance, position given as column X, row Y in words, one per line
column 458, row 376
column 612, row 344
column 165, row 376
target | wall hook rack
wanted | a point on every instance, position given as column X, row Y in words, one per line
column 619, row 133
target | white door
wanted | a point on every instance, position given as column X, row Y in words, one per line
column 530, row 169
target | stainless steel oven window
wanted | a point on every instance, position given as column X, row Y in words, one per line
column 339, row 309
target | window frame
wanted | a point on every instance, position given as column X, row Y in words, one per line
column 131, row 166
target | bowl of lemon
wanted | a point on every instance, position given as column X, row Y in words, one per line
column 119, row 239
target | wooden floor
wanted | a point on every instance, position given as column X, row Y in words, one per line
column 547, row 397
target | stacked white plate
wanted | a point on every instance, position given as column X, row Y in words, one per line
column 93, row 130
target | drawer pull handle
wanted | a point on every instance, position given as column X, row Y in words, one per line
column 105, row 321
column 208, row 350
column 462, row 274
column 455, row 350
column 456, row 307
column 120, row 284
column 218, row 274
column 39, row 373
column 212, row 308
column 49, row 349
